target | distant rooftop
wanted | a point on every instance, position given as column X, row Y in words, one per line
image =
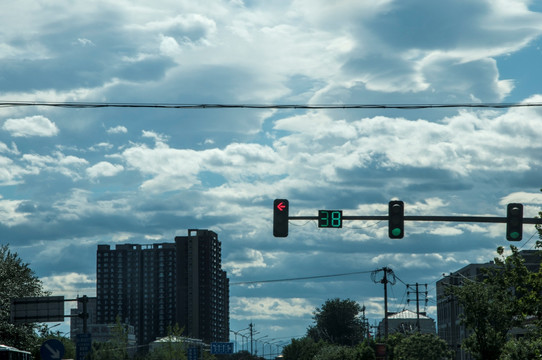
column 407, row 314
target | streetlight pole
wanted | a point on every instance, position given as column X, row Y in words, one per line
column 263, row 337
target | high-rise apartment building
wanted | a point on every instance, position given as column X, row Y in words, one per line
column 156, row 286
column 203, row 287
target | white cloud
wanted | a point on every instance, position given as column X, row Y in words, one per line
column 37, row 125
column 250, row 258
column 69, row 284
column 67, row 165
column 9, row 213
column 178, row 169
column 104, row 169
column 248, row 308
column 117, row 130
column 523, row 198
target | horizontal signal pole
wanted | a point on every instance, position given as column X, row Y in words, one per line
column 514, row 219
column 479, row 219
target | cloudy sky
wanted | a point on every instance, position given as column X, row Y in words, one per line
column 74, row 178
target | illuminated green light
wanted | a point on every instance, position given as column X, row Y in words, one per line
column 396, row 232
column 514, row 235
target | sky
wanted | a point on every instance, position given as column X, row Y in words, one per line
column 73, row 178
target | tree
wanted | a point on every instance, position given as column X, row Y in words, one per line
column 422, row 347
column 338, row 322
column 302, row 349
column 336, row 352
column 365, row 351
column 507, row 295
column 523, row 348
column 116, row 348
column 17, row 280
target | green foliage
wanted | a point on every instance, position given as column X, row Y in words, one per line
column 365, row 352
column 489, row 314
column 302, row 349
column 508, row 294
column 339, row 352
column 338, row 322
column 114, row 349
column 422, row 347
column 17, row 280
column 524, row 348
column 336, row 352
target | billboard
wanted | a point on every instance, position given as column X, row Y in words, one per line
column 37, row 309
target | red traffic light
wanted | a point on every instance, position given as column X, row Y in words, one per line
column 281, row 210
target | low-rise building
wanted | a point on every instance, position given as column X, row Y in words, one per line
column 408, row 322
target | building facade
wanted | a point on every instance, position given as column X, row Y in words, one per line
column 407, row 322
column 203, row 291
column 146, row 286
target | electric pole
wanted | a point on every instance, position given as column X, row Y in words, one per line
column 417, row 301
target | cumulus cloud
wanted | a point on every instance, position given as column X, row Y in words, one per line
column 178, row 169
column 104, row 169
column 69, row 284
column 249, row 258
column 10, row 214
column 37, row 125
column 117, row 130
column 268, row 308
column 67, row 165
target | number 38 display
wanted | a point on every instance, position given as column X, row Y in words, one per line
column 330, row 218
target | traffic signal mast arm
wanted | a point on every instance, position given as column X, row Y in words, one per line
column 479, row 219
column 514, row 219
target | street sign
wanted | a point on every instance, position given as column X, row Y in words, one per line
column 37, row 309
column 220, row 348
column 52, row 349
column 83, row 346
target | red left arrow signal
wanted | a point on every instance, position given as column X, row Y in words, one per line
column 281, row 211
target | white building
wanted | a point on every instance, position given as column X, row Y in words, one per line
column 407, row 322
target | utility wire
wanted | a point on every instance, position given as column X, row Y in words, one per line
column 87, row 105
column 299, row 278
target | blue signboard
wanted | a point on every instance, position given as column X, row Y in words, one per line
column 52, row 349
column 83, row 346
column 222, row 348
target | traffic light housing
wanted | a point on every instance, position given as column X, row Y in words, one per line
column 281, row 210
column 396, row 219
column 514, row 222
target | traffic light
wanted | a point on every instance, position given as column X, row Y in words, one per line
column 396, row 219
column 514, row 222
column 280, row 217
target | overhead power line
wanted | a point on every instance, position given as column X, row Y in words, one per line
column 299, row 278
column 94, row 105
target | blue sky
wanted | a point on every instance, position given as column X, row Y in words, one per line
column 74, row 178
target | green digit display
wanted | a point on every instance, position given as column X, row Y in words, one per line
column 330, row 218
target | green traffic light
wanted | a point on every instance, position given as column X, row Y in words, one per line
column 514, row 235
column 396, row 232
